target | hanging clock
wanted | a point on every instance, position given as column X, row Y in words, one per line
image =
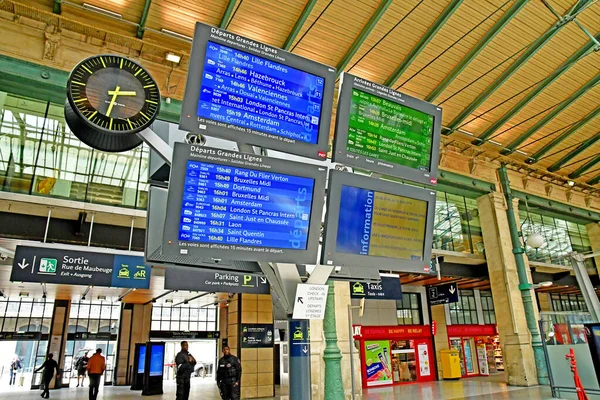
column 109, row 100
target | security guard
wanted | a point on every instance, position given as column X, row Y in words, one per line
column 229, row 375
column 185, row 366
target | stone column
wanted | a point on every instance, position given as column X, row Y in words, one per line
column 134, row 328
column 593, row 230
column 438, row 314
column 514, row 335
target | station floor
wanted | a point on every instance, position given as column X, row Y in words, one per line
column 472, row 389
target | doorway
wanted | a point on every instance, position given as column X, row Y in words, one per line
column 205, row 353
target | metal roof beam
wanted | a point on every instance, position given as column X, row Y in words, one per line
column 557, row 73
column 582, row 147
column 383, row 6
column 298, row 25
column 57, row 7
column 594, row 181
column 508, row 72
column 548, row 117
column 581, row 170
column 557, row 140
column 423, row 42
column 474, row 52
column 227, row 14
column 142, row 25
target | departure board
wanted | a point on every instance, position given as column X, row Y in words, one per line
column 223, row 204
column 247, row 91
column 386, row 131
column 240, row 206
column 376, row 222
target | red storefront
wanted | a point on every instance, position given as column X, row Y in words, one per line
column 478, row 348
column 392, row 355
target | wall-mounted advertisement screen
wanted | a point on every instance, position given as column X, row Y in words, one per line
column 253, row 93
column 157, row 358
column 386, row 131
column 249, row 207
column 377, row 222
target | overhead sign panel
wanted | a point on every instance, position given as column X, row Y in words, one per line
column 206, row 280
column 443, row 294
column 247, row 91
column 377, row 222
column 388, row 289
column 242, row 206
column 257, row 335
column 49, row 265
column 382, row 130
column 310, row 301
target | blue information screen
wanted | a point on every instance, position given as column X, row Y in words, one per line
column 142, row 360
column 157, row 358
column 238, row 206
column 259, row 94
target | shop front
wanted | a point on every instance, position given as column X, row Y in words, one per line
column 478, row 347
column 393, row 355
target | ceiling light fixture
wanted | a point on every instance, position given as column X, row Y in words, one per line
column 174, row 58
column 23, row 294
column 177, row 35
column 571, row 183
column 102, row 10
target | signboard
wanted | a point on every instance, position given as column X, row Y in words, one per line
column 387, row 289
column 376, row 222
column 391, row 332
column 68, row 267
column 20, row 336
column 209, row 280
column 377, row 363
column 382, row 130
column 310, row 301
column 257, row 335
column 242, row 206
column 299, row 338
column 93, row 336
column 185, row 334
column 472, row 330
column 247, row 91
column 442, row 294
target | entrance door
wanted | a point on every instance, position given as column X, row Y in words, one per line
column 76, row 348
column 40, row 351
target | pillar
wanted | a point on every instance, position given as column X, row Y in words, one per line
column 58, row 336
column 438, row 314
column 593, row 231
column 133, row 328
column 341, row 297
column 519, row 361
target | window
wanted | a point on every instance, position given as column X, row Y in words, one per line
column 568, row 302
column 465, row 311
column 487, row 306
column 25, row 315
column 456, row 225
column 408, row 310
column 94, row 317
column 189, row 318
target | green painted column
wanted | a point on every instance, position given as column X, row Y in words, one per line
column 334, row 387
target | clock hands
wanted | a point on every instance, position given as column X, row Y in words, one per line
column 114, row 94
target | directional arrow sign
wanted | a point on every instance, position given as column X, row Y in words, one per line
column 305, row 349
column 23, row 264
column 443, row 294
column 310, row 301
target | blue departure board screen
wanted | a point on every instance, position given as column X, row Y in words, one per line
column 230, row 205
column 252, row 92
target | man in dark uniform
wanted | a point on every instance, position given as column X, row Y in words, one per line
column 229, row 375
column 185, row 366
column 49, row 366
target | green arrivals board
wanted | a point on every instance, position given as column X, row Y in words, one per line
column 389, row 131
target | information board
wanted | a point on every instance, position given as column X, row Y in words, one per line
column 386, row 131
column 247, row 91
column 244, row 206
column 377, row 222
column 256, row 335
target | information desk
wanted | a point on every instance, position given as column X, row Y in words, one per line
column 386, row 131
column 248, row 91
column 253, row 208
column 376, row 222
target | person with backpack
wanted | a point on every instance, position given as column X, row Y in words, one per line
column 15, row 366
column 81, row 366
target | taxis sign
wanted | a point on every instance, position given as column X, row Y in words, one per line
column 388, row 289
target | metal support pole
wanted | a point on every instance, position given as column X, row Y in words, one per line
column 91, row 229
column 47, row 224
column 524, row 285
column 586, row 286
column 334, row 387
column 299, row 344
column 131, row 232
column 351, row 343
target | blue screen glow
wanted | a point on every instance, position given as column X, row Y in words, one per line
column 238, row 206
column 259, row 94
column 142, row 360
column 157, row 357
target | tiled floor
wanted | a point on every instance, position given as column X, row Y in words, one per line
column 472, row 389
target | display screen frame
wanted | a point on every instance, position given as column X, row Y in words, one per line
column 172, row 246
column 190, row 122
column 330, row 255
column 340, row 153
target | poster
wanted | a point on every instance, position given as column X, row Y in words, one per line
column 377, row 362
column 482, row 359
column 424, row 366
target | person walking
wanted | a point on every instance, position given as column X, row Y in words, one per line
column 81, row 366
column 49, row 366
column 15, row 366
column 229, row 375
column 95, row 368
column 185, row 366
